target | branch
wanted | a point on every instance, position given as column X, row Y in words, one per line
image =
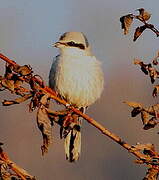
column 90, row 120
column 6, row 165
column 40, row 93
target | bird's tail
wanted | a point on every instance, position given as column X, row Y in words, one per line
column 72, row 142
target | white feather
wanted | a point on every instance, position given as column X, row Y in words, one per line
column 79, row 79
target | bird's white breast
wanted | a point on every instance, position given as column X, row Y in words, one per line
column 79, row 79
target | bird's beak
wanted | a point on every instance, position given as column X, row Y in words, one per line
column 57, row 44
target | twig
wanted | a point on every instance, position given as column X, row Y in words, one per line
column 15, row 168
column 149, row 26
column 90, row 120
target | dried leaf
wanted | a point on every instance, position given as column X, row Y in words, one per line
column 139, row 161
column 24, row 70
column 4, row 174
column 144, row 67
column 44, row 124
column 145, row 117
column 17, row 100
column 153, row 110
column 137, row 62
column 138, row 32
column 18, row 83
column 126, row 22
column 9, row 84
column 142, row 147
column 151, row 174
column 155, row 60
column 136, row 111
column 133, row 104
column 153, row 73
column 150, row 124
column 143, row 15
column 155, row 91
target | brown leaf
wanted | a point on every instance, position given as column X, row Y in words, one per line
column 145, row 117
column 137, row 62
column 150, row 124
column 153, row 74
column 126, row 22
column 9, row 84
column 4, row 168
column 133, row 104
column 44, row 124
column 155, row 91
column 143, row 15
column 18, row 83
column 24, row 70
column 144, row 67
column 136, row 111
column 142, row 147
column 17, row 100
column 137, row 108
column 153, row 110
column 155, row 60
column 138, row 32
column 151, row 174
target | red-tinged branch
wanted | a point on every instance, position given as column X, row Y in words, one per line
column 6, row 59
column 90, row 120
column 15, row 168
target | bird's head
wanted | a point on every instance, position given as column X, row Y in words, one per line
column 73, row 42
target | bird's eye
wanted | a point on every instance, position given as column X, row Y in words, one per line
column 71, row 43
column 81, row 46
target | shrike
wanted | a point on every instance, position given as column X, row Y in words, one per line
column 77, row 77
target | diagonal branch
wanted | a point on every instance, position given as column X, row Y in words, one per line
column 90, row 120
column 21, row 173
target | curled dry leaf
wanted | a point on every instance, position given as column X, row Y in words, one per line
column 9, row 84
column 4, row 171
column 144, row 117
column 133, row 104
column 151, row 123
column 153, row 73
column 136, row 111
column 155, row 60
column 144, row 67
column 153, row 110
column 23, row 70
column 139, row 30
column 126, row 22
column 44, row 124
column 9, row 170
column 17, row 100
column 155, row 91
column 143, row 15
column 148, row 70
column 142, row 147
column 151, row 174
column 149, row 115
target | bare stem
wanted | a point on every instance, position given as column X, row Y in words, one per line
column 15, row 168
column 90, row 120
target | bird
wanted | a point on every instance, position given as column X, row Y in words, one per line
column 77, row 76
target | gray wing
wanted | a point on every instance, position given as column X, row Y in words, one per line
column 53, row 73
